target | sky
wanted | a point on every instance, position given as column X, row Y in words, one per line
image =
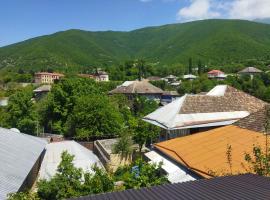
column 24, row 19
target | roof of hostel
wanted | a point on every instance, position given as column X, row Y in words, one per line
column 222, row 105
column 206, row 153
column 246, row 187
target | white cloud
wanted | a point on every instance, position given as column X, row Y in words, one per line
column 198, row 9
column 249, row 9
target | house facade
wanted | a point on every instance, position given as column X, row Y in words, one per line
column 47, row 78
column 100, row 76
column 216, row 74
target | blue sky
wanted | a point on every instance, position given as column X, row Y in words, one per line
column 23, row 19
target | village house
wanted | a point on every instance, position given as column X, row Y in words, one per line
column 216, row 74
column 189, row 77
column 142, row 88
column 248, row 187
column 204, row 155
column 169, row 96
column 99, row 76
column 42, row 91
column 84, row 158
column 47, row 78
column 20, row 159
column 250, row 71
column 170, row 78
column 221, row 106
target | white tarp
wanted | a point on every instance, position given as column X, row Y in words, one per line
column 84, row 158
column 175, row 173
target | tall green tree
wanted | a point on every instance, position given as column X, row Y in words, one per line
column 95, row 116
column 21, row 111
column 190, row 67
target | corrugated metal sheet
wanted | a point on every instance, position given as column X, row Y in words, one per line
column 206, row 151
column 18, row 154
column 174, row 172
column 84, row 158
column 248, row 187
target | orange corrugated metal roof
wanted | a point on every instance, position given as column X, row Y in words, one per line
column 205, row 152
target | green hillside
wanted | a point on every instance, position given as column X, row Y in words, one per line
column 212, row 41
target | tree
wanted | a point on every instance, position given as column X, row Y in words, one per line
column 141, row 174
column 190, row 66
column 65, row 184
column 143, row 106
column 200, row 67
column 21, row 111
column 23, row 196
column 70, row 181
column 123, row 145
column 95, row 116
column 143, row 133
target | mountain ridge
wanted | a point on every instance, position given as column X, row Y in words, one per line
column 212, row 41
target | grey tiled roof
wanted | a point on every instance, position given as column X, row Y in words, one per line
column 18, row 154
column 232, row 100
column 255, row 121
column 246, row 187
column 139, row 87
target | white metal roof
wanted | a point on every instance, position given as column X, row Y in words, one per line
column 219, row 90
column 84, row 158
column 175, row 173
column 189, row 76
column 18, row 154
column 43, row 88
column 127, row 83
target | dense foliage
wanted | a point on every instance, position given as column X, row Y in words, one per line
column 70, row 181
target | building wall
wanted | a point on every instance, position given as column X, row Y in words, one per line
column 32, row 176
column 46, row 78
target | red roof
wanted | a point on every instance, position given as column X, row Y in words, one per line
column 215, row 71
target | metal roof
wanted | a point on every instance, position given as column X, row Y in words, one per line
column 84, row 158
column 43, row 88
column 18, row 154
column 222, row 104
column 205, row 152
column 246, row 187
column 174, row 172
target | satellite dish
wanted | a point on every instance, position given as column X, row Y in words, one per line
column 15, row 130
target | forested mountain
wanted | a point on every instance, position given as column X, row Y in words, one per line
column 211, row 41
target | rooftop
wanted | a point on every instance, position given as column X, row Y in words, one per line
column 48, row 73
column 246, row 187
column 139, row 87
column 84, row 158
column 18, row 154
column 250, row 70
column 43, row 88
column 223, row 103
column 205, row 153
column 215, row 71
